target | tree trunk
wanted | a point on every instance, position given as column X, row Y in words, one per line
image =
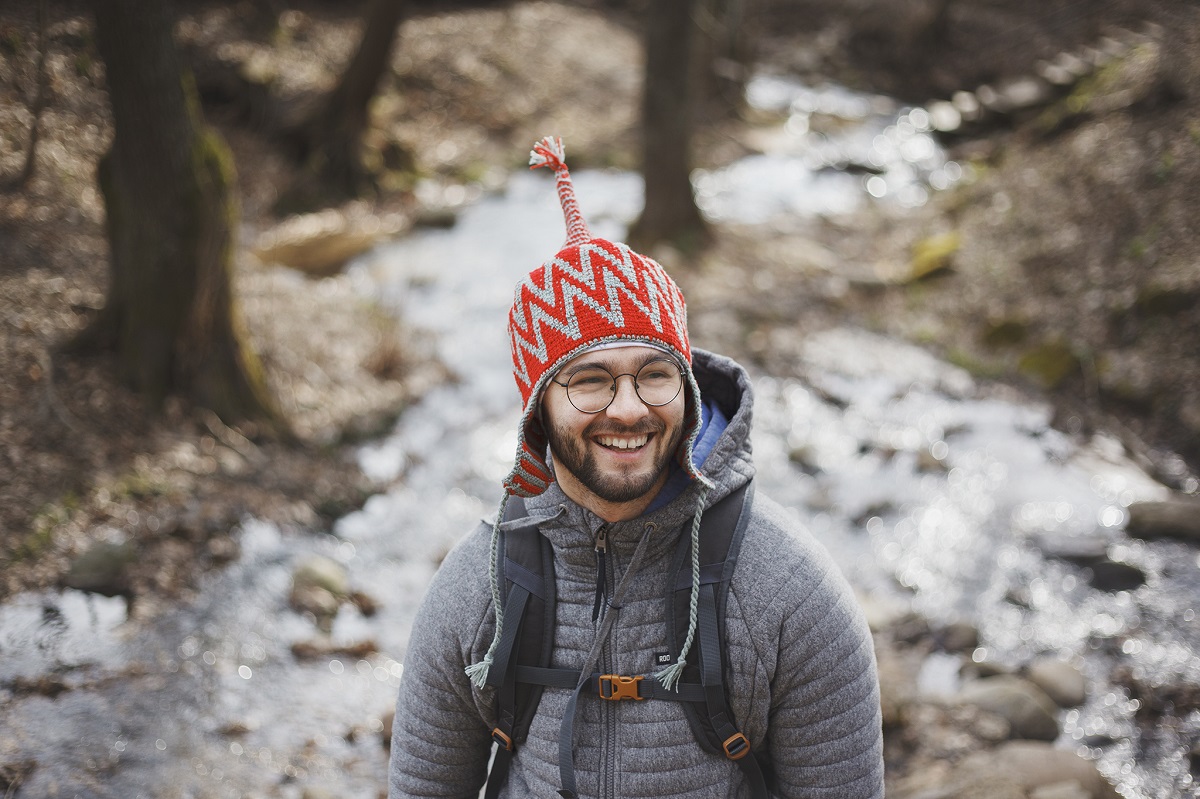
column 329, row 141
column 670, row 214
column 36, row 107
column 720, row 56
column 167, row 182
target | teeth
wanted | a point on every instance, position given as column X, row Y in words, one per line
column 624, row 443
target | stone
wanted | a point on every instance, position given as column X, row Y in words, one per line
column 1080, row 550
column 1061, row 681
column 1127, row 375
column 1110, row 575
column 1175, row 517
column 958, row 636
column 1028, row 710
column 320, row 244
column 1049, row 363
column 385, row 734
column 103, row 568
column 1036, row 766
column 1067, row 789
column 321, row 572
column 898, row 670
column 933, row 254
column 315, row 792
column 315, row 600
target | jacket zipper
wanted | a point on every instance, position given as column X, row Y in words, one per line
column 608, row 718
column 601, row 572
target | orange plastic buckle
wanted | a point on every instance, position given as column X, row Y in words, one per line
column 501, row 739
column 736, row 747
column 618, row 686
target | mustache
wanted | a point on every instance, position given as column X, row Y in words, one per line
column 649, row 426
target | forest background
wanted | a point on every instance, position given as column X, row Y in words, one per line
column 1067, row 267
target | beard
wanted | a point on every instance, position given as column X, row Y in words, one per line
column 572, row 453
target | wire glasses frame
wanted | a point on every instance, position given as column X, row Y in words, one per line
column 593, row 388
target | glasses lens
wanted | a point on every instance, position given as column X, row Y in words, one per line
column 658, row 382
column 590, row 390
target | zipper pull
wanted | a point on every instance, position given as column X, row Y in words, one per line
column 601, row 570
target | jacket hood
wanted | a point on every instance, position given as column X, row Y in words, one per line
column 728, row 465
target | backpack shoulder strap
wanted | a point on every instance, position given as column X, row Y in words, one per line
column 722, row 529
column 527, row 640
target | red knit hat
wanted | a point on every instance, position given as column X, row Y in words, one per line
column 593, row 292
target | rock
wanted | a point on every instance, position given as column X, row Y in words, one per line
column 984, row 669
column 385, row 735
column 1028, row 710
column 320, row 244
column 933, row 254
column 321, row 572
column 103, row 568
column 1049, row 363
column 324, row 647
column 1004, row 332
column 1068, row 789
column 1109, row 575
column 911, row 628
column 367, row 605
column 1036, row 766
column 929, row 461
column 1128, row 375
column 1080, row 550
column 898, row 670
column 314, row 792
column 1061, row 681
column 1176, row 517
column 315, row 600
column 958, row 636
column 12, row 775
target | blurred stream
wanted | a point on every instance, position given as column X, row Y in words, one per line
column 927, row 489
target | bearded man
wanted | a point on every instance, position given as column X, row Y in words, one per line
column 690, row 638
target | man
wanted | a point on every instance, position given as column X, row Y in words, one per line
column 627, row 438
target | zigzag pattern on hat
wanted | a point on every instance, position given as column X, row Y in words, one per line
column 627, row 294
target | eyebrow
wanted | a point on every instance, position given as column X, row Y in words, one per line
column 608, row 366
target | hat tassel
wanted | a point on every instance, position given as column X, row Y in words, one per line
column 549, row 152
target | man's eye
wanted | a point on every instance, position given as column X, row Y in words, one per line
column 591, row 380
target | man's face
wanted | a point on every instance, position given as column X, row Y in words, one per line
column 615, row 461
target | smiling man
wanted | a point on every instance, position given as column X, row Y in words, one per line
column 611, row 439
column 636, row 621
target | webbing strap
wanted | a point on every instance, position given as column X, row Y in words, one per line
column 514, row 609
column 648, row 688
column 499, row 773
column 711, row 678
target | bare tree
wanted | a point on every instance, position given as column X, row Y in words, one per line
column 168, row 182
column 668, row 104
column 40, row 100
column 328, row 140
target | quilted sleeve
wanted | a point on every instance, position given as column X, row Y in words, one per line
column 440, row 742
column 823, row 725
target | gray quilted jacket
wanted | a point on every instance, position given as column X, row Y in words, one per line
column 802, row 677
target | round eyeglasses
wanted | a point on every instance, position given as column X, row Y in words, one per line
column 593, row 388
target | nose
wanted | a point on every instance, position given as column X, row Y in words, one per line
column 626, row 406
